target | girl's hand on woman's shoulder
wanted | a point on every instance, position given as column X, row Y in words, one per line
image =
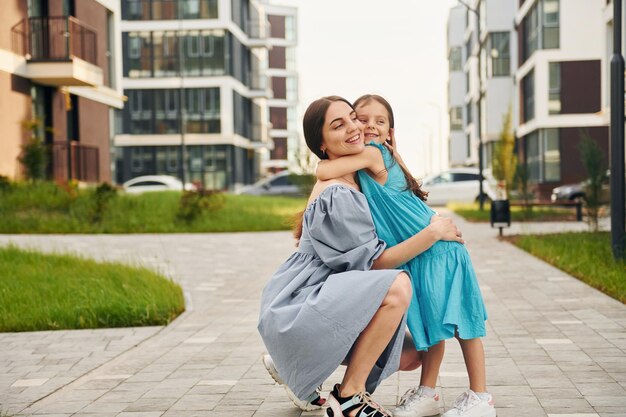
column 445, row 229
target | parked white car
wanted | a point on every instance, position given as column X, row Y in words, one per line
column 148, row 183
column 456, row 185
column 276, row 184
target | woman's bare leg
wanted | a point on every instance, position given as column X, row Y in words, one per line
column 376, row 336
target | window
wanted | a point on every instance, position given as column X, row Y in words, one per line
column 280, row 182
column 455, row 59
column 203, row 110
column 468, row 112
column 456, row 118
column 290, row 28
column 528, row 89
column 292, row 88
column 530, row 26
column 468, row 46
column 550, row 24
column 554, row 95
column 137, row 62
column 533, row 158
column 551, row 155
column 165, row 50
column 499, row 51
column 169, row 9
column 543, row 157
column 540, row 27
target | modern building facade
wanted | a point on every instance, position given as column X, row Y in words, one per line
column 559, row 85
column 283, row 76
column 459, row 143
column 490, row 86
column 60, row 66
column 535, row 60
column 196, row 77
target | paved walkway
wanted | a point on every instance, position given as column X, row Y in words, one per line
column 555, row 347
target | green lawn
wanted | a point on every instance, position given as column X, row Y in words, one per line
column 48, row 208
column 586, row 256
column 49, row 292
column 471, row 213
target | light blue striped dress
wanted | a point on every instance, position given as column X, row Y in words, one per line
column 446, row 296
column 322, row 297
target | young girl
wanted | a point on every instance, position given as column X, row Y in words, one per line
column 446, row 298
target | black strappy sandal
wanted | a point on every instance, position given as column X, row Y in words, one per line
column 340, row 406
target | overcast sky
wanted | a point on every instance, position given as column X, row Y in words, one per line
column 395, row 48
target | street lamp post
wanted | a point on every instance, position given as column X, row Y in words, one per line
column 481, row 196
column 617, row 136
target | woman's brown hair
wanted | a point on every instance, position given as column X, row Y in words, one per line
column 411, row 183
column 313, row 125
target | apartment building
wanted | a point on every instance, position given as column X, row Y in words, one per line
column 283, row 106
column 536, row 60
column 490, row 86
column 60, row 64
column 196, row 77
column 459, row 143
column 559, row 84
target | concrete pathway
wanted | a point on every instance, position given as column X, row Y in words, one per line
column 555, row 347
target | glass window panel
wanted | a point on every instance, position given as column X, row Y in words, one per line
column 533, row 157
column 554, row 93
column 551, row 155
column 499, row 50
column 456, row 60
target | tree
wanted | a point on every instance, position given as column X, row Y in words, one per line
column 593, row 161
column 504, row 160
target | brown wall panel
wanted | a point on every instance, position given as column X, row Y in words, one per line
column 279, row 87
column 278, row 26
column 278, row 117
column 11, row 12
column 278, row 57
column 95, row 16
column 580, row 87
column 94, row 131
column 572, row 169
column 280, row 148
column 16, row 108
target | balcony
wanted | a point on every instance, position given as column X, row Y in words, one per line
column 169, row 9
column 258, row 85
column 73, row 160
column 59, row 51
column 258, row 31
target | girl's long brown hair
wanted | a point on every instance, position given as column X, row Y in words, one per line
column 411, row 183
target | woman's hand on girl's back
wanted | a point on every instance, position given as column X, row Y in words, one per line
column 445, row 229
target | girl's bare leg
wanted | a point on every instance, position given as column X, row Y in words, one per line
column 474, row 356
column 431, row 364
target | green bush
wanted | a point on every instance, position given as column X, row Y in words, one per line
column 34, row 156
column 101, row 199
column 196, row 202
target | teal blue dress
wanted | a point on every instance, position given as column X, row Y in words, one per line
column 446, row 296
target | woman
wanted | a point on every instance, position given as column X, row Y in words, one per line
column 338, row 297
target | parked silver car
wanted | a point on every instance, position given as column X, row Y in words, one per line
column 276, row 184
column 148, row 183
column 576, row 191
column 456, row 185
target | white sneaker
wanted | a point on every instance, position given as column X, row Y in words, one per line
column 469, row 404
column 414, row 404
column 313, row 402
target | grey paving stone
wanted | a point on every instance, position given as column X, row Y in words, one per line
column 206, row 363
